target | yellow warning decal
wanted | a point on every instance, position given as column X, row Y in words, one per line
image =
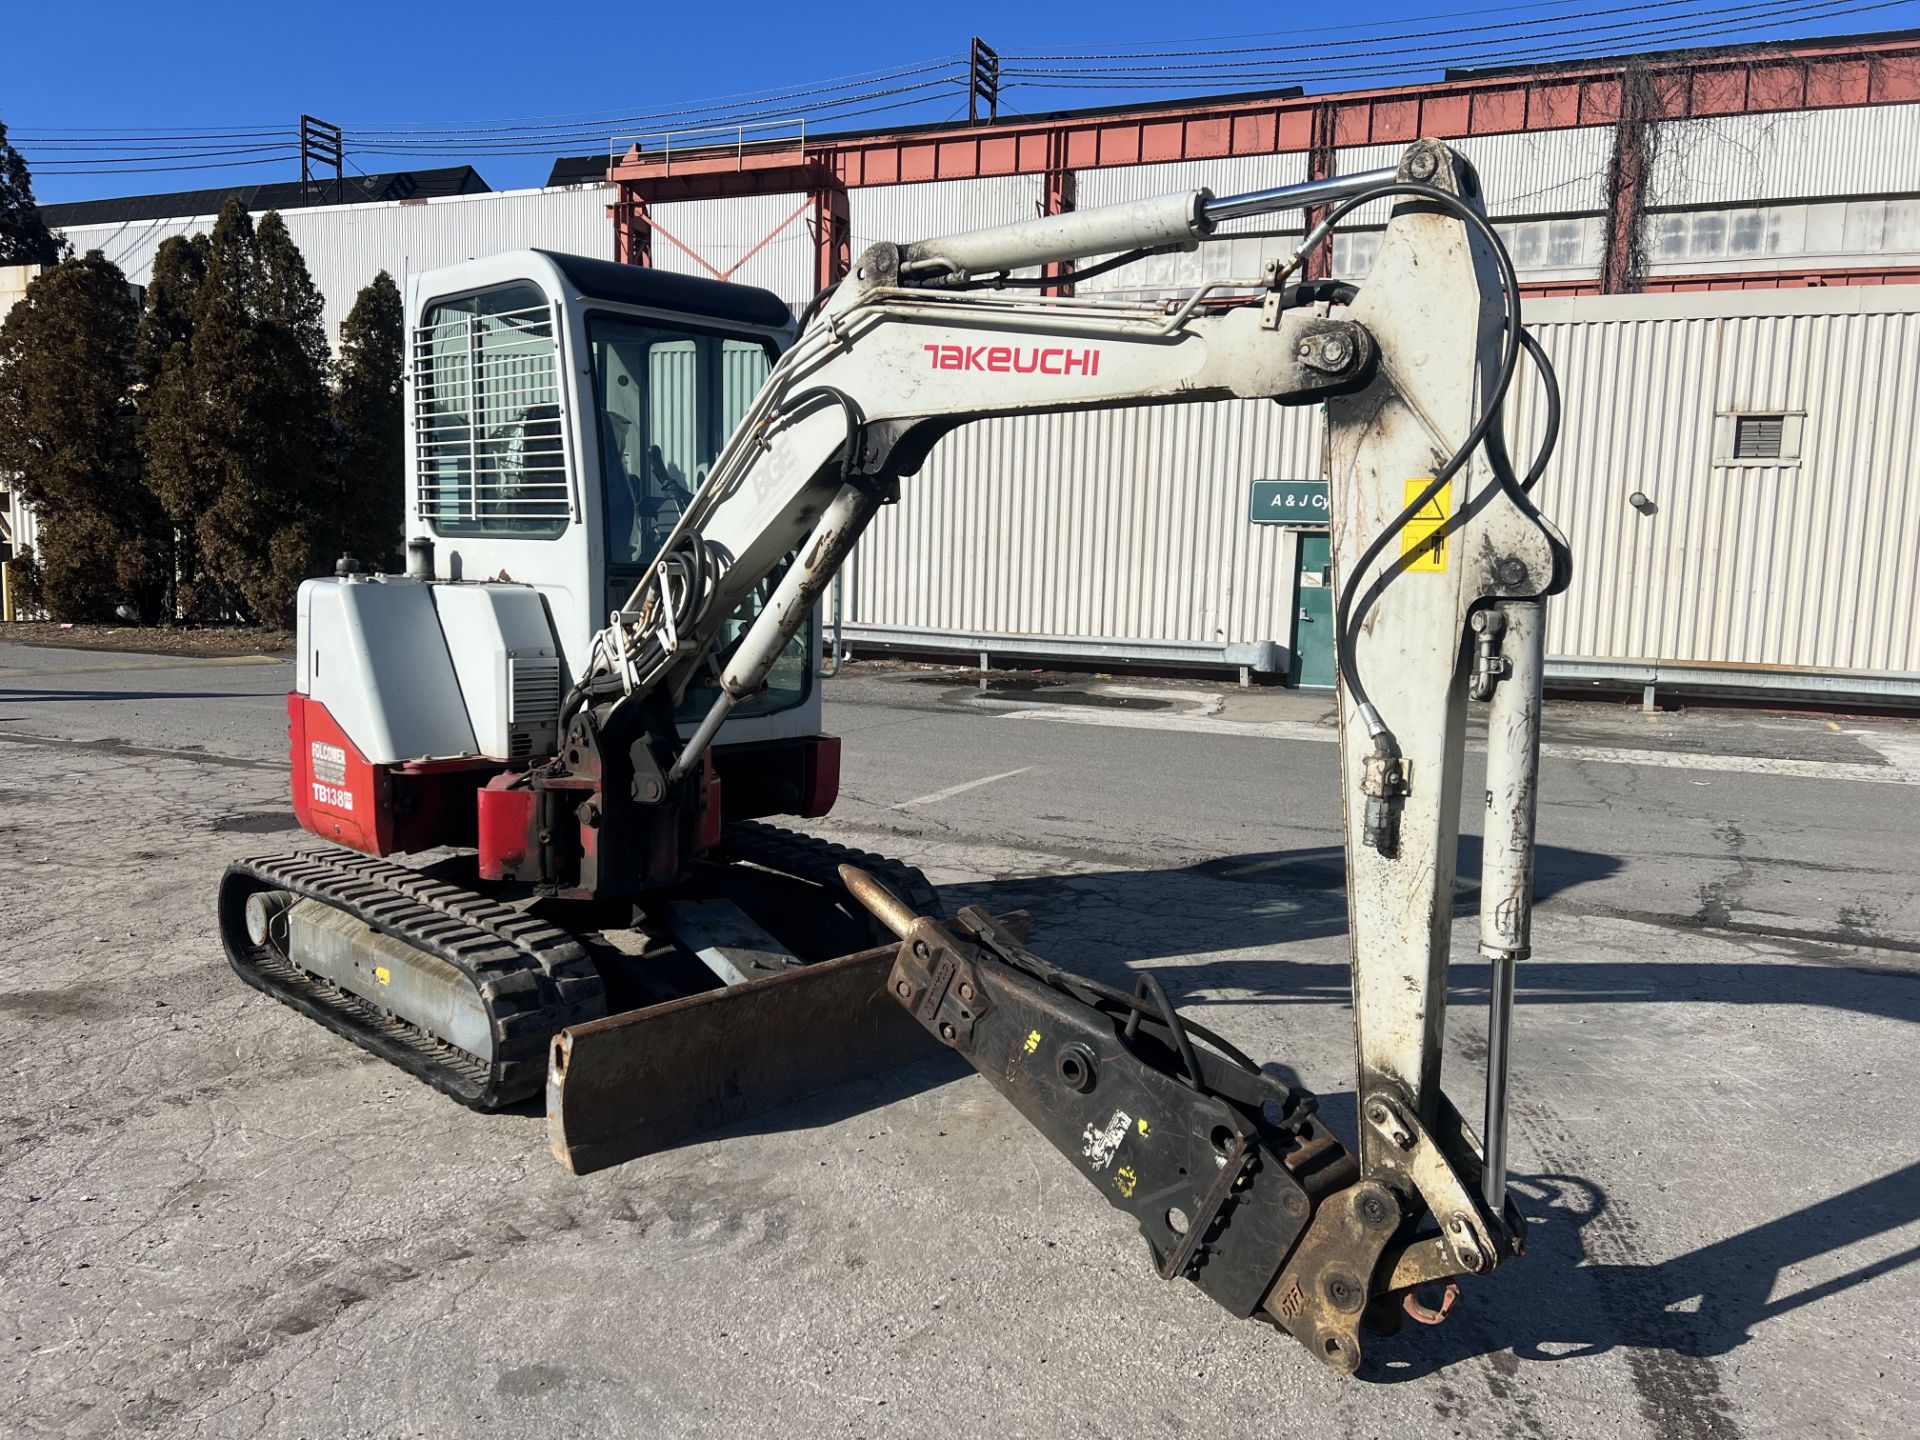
column 1418, row 537
column 382, row 974
column 1141, row 1126
column 1125, row 1180
column 1033, row 1041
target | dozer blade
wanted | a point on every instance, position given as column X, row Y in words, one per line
column 647, row 1080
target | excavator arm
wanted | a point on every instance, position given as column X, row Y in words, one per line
column 883, row 373
column 1441, row 570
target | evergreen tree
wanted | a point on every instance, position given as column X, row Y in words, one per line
column 173, row 299
column 67, row 430
column 166, row 329
column 307, row 536
column 182, row 454
column 286, row 298
column 24, row 237
column 236, row 425
column 370, row 427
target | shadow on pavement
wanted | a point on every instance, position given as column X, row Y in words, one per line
column 1104, row 924
column 1556, row 1303
column 1569, row 1296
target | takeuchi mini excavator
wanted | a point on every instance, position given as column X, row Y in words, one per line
column 595, row 688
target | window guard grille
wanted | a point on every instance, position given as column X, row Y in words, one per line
column 490, row 438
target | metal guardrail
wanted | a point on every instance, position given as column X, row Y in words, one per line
column 1733, row 680
column 794, row 138
column 1266, row 657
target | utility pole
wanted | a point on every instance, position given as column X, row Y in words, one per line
column 983, row 81
column 321, row 145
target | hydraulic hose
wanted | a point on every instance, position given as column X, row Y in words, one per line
column 1348, row 618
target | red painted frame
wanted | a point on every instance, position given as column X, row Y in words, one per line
column 1817, row 74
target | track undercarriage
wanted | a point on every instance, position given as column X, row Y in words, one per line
column 467, row 991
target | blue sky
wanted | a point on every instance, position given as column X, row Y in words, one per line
column 503, row 71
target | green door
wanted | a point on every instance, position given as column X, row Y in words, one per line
column 1313, row 613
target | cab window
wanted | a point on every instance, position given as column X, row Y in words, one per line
column 667, row 399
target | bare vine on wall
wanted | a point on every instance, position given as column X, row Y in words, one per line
column 1636, row 137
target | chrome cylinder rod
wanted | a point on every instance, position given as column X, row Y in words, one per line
column 1180, row 221
column 793, row 599
column 1493, row 1173
column 885, row 906
column 1506, row 864
column 1329, row 191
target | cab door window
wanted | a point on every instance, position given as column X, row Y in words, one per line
column 668, row 397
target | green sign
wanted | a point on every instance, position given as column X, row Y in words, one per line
column 1289, row 502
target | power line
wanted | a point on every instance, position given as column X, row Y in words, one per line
column 1193, row 66
column 574, row 140
column 1596, row 45
column 598, row 126
column 582, row 119
column 156, row 169
column 127, row 138
column 751, row 100
column 1294, row 32
column 1724, row 20
column 574, row 148
column 280, row 142
column 1182, row 49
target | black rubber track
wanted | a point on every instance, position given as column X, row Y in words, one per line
column 534, row 980
column 807, row 857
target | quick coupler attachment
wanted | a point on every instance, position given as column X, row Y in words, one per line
column 1224, row 1169
column 1233, row 1179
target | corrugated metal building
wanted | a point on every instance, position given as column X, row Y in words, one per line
column 1132, row 525
column 1801, row 557
column 1776, row 184
column 347, row 245
column 1127, row 534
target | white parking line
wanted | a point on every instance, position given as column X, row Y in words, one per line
column 1162, row 720
column 1738, row 764
column 960, row 789
column 1893, row 773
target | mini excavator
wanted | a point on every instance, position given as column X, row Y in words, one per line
column 594, row 687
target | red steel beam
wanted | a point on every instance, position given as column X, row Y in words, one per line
column 1788, row 277
column 1683, row 85
column 1062, row 195
column 832, row 225
column 1809, row 75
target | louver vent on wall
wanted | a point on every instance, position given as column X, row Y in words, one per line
column 1758, row 437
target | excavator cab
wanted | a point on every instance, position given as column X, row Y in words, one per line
column 563, row 412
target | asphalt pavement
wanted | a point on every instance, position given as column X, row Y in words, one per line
column 220, row 1220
